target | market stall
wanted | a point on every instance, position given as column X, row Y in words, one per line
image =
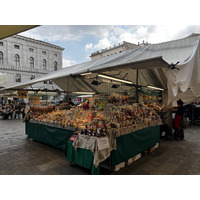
column 110, row 129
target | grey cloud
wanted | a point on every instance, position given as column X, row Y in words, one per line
column 187, row 31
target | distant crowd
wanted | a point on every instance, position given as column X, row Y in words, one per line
column 12, row 109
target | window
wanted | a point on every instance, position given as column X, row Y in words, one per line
column 44, row 52
column 16, row 46
column 31, row 62
column 50, row 82
column 45, row 82
column 32, row 77
column 44, row 64
column 55, row 54
column 17, row 63
column 1, row 43
column 18, row 78
column 31, row 50
column 1, row 57
column 55, row 66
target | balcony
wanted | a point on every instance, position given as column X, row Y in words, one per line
column 23, row 69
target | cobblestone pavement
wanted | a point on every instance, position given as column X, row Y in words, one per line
column 22, row 156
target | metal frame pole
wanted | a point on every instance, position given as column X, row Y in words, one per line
column 137, row 74
column 68, row 92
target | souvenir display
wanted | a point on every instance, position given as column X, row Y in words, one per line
column 40, row 110
column 97, row 119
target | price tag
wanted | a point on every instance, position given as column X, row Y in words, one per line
column 73, row 137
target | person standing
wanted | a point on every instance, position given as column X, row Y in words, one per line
column 71, row 103
column 178, row 128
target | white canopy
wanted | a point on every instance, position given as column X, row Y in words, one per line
column 153, row 63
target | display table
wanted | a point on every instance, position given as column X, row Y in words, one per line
column 82, row 157
column 134, row 143
column 53, row 136
column 127, row 146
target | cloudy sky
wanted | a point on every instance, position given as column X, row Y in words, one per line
column 80, row 41
column 83, row 27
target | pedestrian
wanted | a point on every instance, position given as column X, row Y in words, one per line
column 71, row 103
column 22, row 108
column 178, row 126
column 9, row 112
column 17, row 111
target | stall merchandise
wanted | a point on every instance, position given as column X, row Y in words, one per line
column 40, row 110
column 97, row 122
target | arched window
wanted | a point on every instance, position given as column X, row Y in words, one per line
column 17, row 62
column 32, row 62
column 1, row 57
column 55, row 66
column 44, row 64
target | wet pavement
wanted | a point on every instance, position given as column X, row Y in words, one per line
column 20, row 155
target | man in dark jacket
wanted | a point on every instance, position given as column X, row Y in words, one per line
column 179, row 134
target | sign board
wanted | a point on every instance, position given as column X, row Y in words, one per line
column 34, row 101
column 102, row 143
column 22, row 94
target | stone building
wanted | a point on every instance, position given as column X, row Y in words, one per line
column 115, row 50
column 23, row 59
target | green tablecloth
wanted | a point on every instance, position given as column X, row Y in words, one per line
column 127, row 147
column 131, row 144
column 56, row 137
column 82, row 157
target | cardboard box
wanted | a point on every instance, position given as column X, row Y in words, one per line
column 138, row 156
column 129, row 161
column 120, row 165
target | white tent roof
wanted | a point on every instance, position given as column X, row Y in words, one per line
column 152, row 61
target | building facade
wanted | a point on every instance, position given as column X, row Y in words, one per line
column 23, row 59
column 116, row 49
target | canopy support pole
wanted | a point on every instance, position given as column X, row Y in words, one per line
column 136, row 93
column 68, row 92
column 46, row 98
